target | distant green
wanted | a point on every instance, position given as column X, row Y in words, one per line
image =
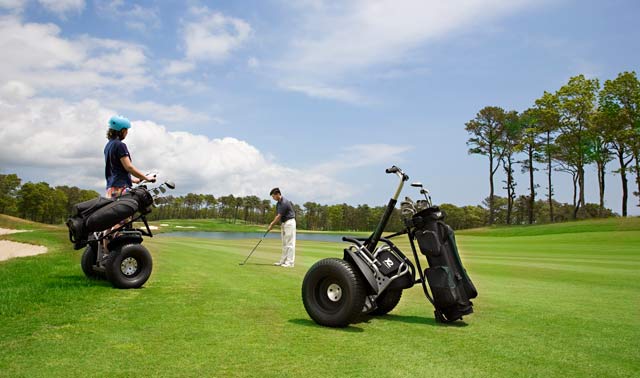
column 551, row 304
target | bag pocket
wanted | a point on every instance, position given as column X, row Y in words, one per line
column 442, row 286
column 111, row 214
column 84, row 209
column 428, row 242
column 77, row 233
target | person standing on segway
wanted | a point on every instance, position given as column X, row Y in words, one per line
column 287, row 216
column 118, row 166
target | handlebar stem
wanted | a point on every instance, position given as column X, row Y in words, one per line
column 403, row 177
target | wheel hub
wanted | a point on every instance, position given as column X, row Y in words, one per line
column 334, row 292
column 129, row 266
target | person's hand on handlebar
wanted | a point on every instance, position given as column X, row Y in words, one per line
column 145, row 178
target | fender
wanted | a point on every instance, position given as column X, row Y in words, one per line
column 377, row 281
column 126, row 237
column 363, row 267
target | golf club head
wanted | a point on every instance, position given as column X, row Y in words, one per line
column 407, row 208
column 422, row 204
column 408, row 212
column 170, row 184
column 162, row 189
column 416, row 184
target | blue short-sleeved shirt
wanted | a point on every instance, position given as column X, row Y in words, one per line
column 114, row 171
column 284, row 207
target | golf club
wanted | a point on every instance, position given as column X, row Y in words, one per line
column 423, row 191
column 427, row 197
column 254, row 248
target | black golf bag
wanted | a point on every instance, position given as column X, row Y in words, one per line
column 450, row 285
column 102, row 213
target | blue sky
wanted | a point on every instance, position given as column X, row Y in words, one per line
column 317, row 97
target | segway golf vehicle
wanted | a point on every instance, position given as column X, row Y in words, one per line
column 113, row 247
column 370, row 278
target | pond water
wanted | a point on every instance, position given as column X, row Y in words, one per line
column 249, row 235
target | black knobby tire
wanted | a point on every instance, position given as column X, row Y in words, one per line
column 129, row 266
column 387, row 301
column 87, row 261
column 333, row 293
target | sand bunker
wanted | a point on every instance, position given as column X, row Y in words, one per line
column 10, row 249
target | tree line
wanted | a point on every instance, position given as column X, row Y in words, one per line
column 39, row 202
column 579, row 125
column 253, row 210
column 42, row 203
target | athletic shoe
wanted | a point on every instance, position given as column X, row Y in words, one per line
column 277, row 263
column 287, row 265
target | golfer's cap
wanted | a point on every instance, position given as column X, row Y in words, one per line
column 274, row 191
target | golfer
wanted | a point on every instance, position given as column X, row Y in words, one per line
column 118, row 167
column 287, row 216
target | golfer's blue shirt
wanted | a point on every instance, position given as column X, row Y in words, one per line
column 284, row 207
column 114, row 171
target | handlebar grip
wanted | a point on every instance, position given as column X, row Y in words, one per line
column 393, row 169
column 352, row 240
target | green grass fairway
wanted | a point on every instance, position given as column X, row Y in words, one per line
column 220, row 225
column 551, row 304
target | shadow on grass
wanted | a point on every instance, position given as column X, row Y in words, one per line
column 311, row 323
column 422, row 320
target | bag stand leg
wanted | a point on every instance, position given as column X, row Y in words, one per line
column 423, row 279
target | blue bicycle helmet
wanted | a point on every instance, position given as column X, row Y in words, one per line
column 119, row 122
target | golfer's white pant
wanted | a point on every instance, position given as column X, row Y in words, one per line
column 288, row 232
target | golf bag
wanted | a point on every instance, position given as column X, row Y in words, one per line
column 450, row 285
column 102, row 213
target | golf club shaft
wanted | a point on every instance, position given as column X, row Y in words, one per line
column 254, row 248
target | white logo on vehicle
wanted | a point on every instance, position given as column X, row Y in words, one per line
column 388, row 262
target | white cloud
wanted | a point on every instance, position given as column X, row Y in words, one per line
column 132, row 16
column 361, row 155
column 339, row 40
column 176, row 67
column 323, row 91
column 38, row 56
column 63, row 142
column 62, row 7
column 15, row 5
column 212, row 36
column 209, row 37
column 362, row 33
column 15, row 90
column 164, row 113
